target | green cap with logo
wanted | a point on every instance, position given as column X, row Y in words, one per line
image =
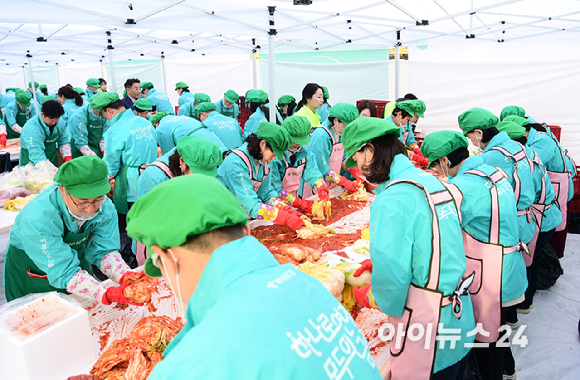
column 361, row 131
column 189, row 205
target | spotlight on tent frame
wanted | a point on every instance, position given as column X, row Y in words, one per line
column 174, row 42
column 302, row 2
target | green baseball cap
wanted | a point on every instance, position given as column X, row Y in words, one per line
column 93, row 82
column 42, row 87
column 513, row 130
column 299, row 129
column 521, row 121
column 46, row 99
column 101, row 100
column 157, row 117
column 35, row 84
column 325, row 92
column 344, row 112
column 200, row 154
column 204, row 107
column 200, row 97
column 278, row 138
column 231, row 96
column 264, row 95
column 441, row 143
column 361, row 131
column 23, row 98
column 285, row 99
column 254, row 96
column 146, row 85
column 181, row 85
column 512, row 110
column 476, row 118
column 144, row 104
column 84, row 177
column 413, row 107
column 188, row 205
column 79, row 90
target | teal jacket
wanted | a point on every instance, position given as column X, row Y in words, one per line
column 185, row 97
column 527, row 189
column 187, row 109
column 227, row 129
column 153, row 176
column 220, row 107
column 321, row 147
column 309, row 175
column 172, row 128
column 161, row 101
column 12, row 109
column 78, row 125
column 550, row 152
column 293, row 328
column 131, row 141
column 89, row 93
column 553, row 215
column 401, row 238
column 323, row 112
column 35, row 132
column 253, row 123
column 407, row 128
column 39, row 96
column 42, row 238
column 69, row 109
column 476, row 213
column 235, row 175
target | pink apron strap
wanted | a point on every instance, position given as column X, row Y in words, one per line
column 505, row 152
column 457, row 197
column 495, row 177
column 329, row 133
column 158, row 164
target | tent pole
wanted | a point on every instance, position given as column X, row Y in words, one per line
column 271, row 62
column 103, row 71
column 254, row 71
column 58, row 76
column 25, row 81
column 28, row 55
column 111, row 61
column 397, row 63
column 163, row 73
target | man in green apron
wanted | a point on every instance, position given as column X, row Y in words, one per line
column 16, row 114
column 227, row 106
column 43, row 134
column 87, row 129
column 130, row 142
column 61, row 232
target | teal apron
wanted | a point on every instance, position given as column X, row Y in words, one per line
column 21, row 119
column 49, row 150
column 120, row 190
column 95, row 132
column 23, row 276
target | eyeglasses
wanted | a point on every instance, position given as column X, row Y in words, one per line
column 85, row 205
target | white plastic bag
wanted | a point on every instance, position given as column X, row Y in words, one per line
column 41, row 177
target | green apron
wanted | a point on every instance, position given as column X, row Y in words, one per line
column 23, row 276
column 195, row 130
column 120, row 190
column 21, row 119
column 49, row 150
column 94, row 134
column 228, row 113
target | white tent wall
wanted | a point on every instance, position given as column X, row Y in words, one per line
column 543, row 79
column 12, row 77
column 146, row 71
column 76, row 74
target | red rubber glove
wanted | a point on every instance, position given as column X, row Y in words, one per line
column 115, row 294
column 140, row 274
column 365, row 265
column 3, row 139
column 290, row 210
column 303, row 205
column 323, row 192
column 286, row 219
column 370, row 187
column 356, row 173
column 419, row 158
column 68, row 158
column 361, row 295
column 347, row 184
column 84, row 377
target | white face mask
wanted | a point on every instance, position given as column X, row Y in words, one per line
column 443, row 169
column 181, row 306
column 294, row 151
column 479, row 144
column 83, row 216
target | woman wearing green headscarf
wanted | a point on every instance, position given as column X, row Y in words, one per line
column 413, row 224
column 245, row 172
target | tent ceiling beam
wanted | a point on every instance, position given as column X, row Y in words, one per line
column 487, row 27
column 56, row 31
column 371, row 34
column 452, row 18
column 559, row 18
column 158, row 10
column 405, row 11
column 313, row 26
column 79, row 9
column 469, row 11
column 223, row 16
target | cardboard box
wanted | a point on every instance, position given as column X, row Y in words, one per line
column 48, row 338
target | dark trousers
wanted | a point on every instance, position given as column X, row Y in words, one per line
column 558, row 240
column 493, row 360
column 534, row 269
column 126, row 242
column 455, row 372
